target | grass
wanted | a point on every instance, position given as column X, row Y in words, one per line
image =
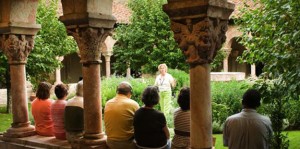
column 5, row 119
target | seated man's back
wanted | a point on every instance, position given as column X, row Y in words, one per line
column 118, row 118
column 247, row 130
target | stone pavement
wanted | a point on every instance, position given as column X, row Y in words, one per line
column 33, row 142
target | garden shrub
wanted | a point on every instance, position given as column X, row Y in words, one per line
column 292, row 111
column 109, row 86
column 182, row 79
column 226, row 101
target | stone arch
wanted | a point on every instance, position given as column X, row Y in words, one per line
column 233, row 49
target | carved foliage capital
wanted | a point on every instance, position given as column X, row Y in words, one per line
column 17, row 47
column 199, row 39
column 89, row 41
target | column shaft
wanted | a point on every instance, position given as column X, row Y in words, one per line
column 92, row 104
column 201, row 115
column 107, row 65
column 253, row 70
column 18, row 94
column 225, row 64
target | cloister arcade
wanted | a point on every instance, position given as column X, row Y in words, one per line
column 199, row 28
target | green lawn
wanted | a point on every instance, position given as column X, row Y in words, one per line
column 5, row 119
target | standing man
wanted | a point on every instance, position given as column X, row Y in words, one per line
column 248, row 129
column 118, row 118
column 165, row 82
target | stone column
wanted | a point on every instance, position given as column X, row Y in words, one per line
column 199, row 28
column 57, row 72
column 253, row 71
column 17, row 29
column 17, row 48
column 107, row 65
column 108, row 52
column 88, row 40
column 225, row 61
column 90, row 22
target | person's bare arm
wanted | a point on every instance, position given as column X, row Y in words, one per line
column 166, row 130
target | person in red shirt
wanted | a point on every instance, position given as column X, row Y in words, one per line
column 40, row 108
column 58, row 111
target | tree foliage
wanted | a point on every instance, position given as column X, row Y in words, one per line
column 272, row 35
column 50, row 42
column 147, row 41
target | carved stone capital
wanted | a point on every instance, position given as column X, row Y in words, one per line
column 199, row 39
column 17, row 47
column 199, row 27
column 89, row 41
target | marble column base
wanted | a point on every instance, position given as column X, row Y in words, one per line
column 20, row 132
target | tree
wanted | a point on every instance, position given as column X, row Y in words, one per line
column 50, row 42
column 272, row 35
column 148, row 40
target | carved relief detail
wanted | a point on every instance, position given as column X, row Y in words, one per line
column 89, row 41
column 17, row 47
column 200, row 40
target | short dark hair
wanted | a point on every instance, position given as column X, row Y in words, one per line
column 150, row 96
column 124, row 88
column 184, row 98
column 43, row 91
column 251, row 99
column 61, row 90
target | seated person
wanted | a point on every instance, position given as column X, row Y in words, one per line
column 40, row 108
column 74, row 120
column 248, row 129
column 118, row 118
column 58, row 111
column 150, row 126
column 181, row 139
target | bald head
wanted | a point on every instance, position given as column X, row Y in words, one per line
column 124, row 88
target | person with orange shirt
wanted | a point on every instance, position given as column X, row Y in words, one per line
column 40, row 108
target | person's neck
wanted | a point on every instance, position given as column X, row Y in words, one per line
column 148, row 107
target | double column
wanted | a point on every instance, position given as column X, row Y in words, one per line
column 89, row 40
column 17, row 48
column 199, row 29
column 90, row 22
column 17, row 29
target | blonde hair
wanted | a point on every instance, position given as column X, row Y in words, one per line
column 163, row 65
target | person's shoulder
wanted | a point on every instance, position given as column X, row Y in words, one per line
column 265, row 119
column 110, row 100
column 169, row 75
column 133, row 103
column 159, row 113
column 75, row 101
column 234, row 117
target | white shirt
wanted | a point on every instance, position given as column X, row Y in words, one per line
column 247, row 130
column 164, row 82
